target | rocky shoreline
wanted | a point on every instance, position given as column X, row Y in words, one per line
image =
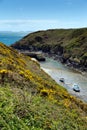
column 40, row 56
column 70, row 63
column 37, row 55
column 60, row 56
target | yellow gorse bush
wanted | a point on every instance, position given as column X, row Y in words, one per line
column 26, row 88
column 4, row 71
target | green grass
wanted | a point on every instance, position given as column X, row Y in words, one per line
column 31, row 100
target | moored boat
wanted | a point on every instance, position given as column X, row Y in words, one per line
column 76, row 88
column 62, row 80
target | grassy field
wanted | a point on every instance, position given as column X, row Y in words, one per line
column 31, row 100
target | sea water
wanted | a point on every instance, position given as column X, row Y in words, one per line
column 9, row 38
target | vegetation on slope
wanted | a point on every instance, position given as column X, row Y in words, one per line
column 31, row 100
column 70, row 44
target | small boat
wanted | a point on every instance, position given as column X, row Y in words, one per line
column 62, row 80
column 76, row 88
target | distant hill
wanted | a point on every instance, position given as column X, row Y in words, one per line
column 31, row 100
column 68, row 45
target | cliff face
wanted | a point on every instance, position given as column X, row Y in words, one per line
column 70, row 45
column 30, row 99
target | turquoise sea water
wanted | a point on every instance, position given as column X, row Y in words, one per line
column 9, row 38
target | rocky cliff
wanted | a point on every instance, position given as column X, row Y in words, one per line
column 67, row 45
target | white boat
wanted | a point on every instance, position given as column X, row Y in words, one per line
column 76, row 88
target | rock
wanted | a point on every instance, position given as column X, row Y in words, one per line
column 35, row 55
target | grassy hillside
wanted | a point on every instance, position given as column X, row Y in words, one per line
column 70, row 44
column 31, row 100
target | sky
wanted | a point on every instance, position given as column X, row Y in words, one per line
column 34, row 15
